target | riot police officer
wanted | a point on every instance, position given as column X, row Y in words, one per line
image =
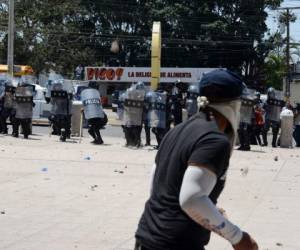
column 133, row 115
column 191, row 104
column 93, row 112
column 177, row 102
column 156, row 115
column 61, row 93
column 246, row 115
column 3, row 84
column 296, row 133
column 24, row 108
column 273, row 108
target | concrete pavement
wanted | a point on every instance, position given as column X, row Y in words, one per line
column 64, row 196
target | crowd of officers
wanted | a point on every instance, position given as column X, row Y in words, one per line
column 140, row 107
column 259, row 116
column 157, row 111
column 16, row 106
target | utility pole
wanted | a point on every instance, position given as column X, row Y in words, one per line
column 288, row 79
column 287, row 22
column 11, row 35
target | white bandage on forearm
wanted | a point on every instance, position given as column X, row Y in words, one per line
column 196, row 186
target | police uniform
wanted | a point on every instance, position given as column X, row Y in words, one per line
column 93, row 112
column 164, row 225
column 296, row 133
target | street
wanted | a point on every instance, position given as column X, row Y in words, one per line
column 75, row 195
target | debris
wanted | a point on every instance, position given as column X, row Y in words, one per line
column 87, row 158
column 44, row 169
column 121, row 172
column 279, row 244
column 276, row 158
column 2, row 212
column 244, row 171
column 93, row 187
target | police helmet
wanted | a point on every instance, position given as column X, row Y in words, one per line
column 193, row 89
column 140, row 85
column 93, row 85
column 271, row 92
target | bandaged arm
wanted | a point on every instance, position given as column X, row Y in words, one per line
column 198, row 182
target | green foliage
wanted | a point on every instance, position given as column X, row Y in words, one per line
column 275, row 70
column 62, row 34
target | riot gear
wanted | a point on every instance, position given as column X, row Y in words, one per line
column 24, row 107
column 94, row 113
column 246, row 116
column 191, row 100
column 61, row 95
column 133, row 115
column 157, row 118
column 273, row 108
column 296, row 133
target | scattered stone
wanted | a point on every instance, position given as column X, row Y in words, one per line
column 2, row 212
column 87, row 158
column 276, row 158
column 44, row 169
column 244, row 171
column 93, row 187
column 279, row 244
column 121, row 172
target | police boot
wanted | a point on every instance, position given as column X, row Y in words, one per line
column 98, row 140
column 92, row 134
column 63, row 136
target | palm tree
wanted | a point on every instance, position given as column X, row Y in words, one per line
column 275, row 70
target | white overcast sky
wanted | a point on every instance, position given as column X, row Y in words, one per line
column 295, row 27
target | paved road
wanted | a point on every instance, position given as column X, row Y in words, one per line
column 73, row 195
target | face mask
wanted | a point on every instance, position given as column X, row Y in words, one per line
column 231, row 111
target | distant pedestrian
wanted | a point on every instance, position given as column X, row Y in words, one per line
column 79, row 72
column 259, row 122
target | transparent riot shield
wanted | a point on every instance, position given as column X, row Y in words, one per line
column 91, row 101
column 24, row 102
column 157, row 110
column 133, row 107
column 275, row 106
column 247, row 105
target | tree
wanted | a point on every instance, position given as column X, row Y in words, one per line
column 195, row 33
column 47, row 35
column 275, row 70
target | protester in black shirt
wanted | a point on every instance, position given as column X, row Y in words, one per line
column 189, row 174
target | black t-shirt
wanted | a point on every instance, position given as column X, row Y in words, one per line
column 164, row 226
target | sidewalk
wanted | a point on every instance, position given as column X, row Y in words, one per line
column 63, row 196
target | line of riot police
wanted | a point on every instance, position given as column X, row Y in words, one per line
column 257, row 117
column 16, row 104
column 139, row 107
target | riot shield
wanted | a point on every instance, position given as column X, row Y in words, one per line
column 24, row 102
column 91, row 101
column 248, row 102
column 156, row 114
column 60, row 99
column 133, row 107
column 275, row 105
column 2, row 89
